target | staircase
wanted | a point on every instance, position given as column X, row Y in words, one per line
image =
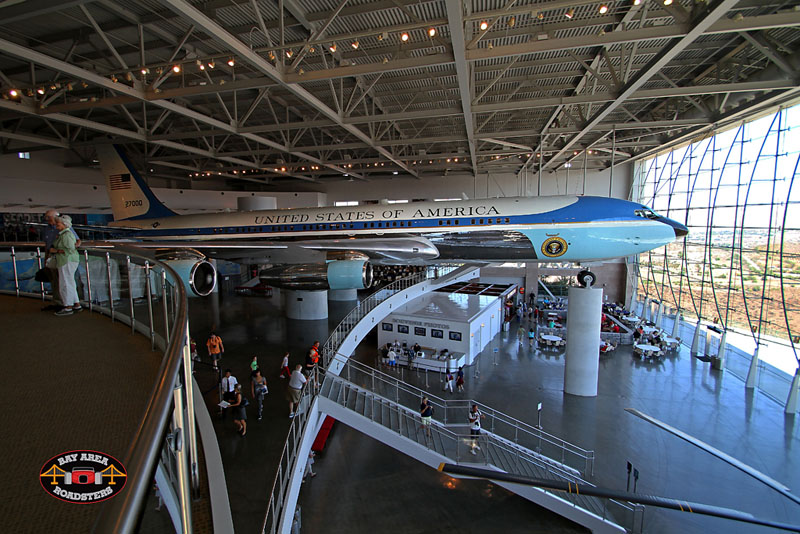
column 384, row 408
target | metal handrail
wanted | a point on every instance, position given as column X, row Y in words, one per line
column 497, row 422
column 299, row 424
column 121, row 514
column 454, row 445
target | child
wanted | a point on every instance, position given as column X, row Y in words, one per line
column 254, row 366
column 285, row 372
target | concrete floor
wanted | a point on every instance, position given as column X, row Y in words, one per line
column 364, row 486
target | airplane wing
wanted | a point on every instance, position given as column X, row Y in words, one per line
column 387, row 249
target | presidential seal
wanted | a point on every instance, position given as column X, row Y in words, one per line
column 554, row 247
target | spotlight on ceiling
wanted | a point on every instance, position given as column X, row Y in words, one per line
column 484, row 25
column 570, row 13
column 289, row 53
column 14, row 93
column 231, row 62
column 40, row 90
column 176, row 68
column 603, row 9
column 432, row 32
column 211, row 64
column 404, row 37
column 667, row 2
column 354, row 44
column 332, row 48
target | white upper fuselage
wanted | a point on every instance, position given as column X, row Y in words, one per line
column 542, row 228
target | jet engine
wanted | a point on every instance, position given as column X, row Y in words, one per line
column 339, row 274
column 198, row 275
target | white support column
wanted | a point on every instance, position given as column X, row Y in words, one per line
column 720, row 361
column 676, row 327
column 660, row 311
column 696, row 339
column 583, row 335
column 752, row 373
column 632, row 303
column 645, row 308
column 306, row 305
column 791, row 401
column 342, row 294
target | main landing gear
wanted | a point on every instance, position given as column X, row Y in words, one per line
column 586, row 278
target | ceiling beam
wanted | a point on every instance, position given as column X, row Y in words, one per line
column 262, row 65
column 458, row 39
column 715, row 12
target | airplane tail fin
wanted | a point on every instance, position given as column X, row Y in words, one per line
column 130, row 196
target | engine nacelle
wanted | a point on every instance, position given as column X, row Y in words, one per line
column 199, row 276
column 340, row 274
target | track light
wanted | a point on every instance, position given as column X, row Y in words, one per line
column 667, row 2
column 114, row 78
column 484, row 25
column 512, row 22
column 201, row 65
column 603, row 9
column 540, row 15
column 354, row 44
column 312, row 50
column 231, row 62
column 176, row 69
column 404, row 37
column 289, row 53
column 145, row 71
column 332, row 48
column 211, row 64
column 432, row 32
column 271, row 56
column 14, row 93
column 40, row 90
column 570, row 13
column 637, row 2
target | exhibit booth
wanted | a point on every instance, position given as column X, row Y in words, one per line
column 461, row 323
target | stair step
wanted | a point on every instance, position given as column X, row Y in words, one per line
column 369, row 401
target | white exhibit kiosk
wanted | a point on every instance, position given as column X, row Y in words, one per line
column 459, row 322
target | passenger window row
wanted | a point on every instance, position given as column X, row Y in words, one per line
column 344, row 226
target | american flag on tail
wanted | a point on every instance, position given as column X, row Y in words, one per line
column 119, row 181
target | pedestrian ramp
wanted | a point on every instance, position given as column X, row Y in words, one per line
column 386, row 409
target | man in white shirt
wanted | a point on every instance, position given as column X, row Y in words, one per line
column 228, row 383
column 475, row 417
column 296, row 383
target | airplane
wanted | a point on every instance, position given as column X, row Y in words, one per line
column 335, row 247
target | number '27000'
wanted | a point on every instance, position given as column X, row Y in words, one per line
column 129, row 203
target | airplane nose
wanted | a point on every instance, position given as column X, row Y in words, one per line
column 680, row 229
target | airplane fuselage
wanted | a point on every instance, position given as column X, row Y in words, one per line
column 563, row 228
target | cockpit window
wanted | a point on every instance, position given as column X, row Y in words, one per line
column 647, row 213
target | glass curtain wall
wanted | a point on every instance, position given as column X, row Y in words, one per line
column 738, row 192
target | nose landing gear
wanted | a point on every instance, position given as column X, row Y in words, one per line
column 586, row 278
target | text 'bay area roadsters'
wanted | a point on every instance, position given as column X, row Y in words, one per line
column 333, row 247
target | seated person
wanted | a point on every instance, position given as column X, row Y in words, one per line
column 615, row 329
column 444, row 352
column 637, row 334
